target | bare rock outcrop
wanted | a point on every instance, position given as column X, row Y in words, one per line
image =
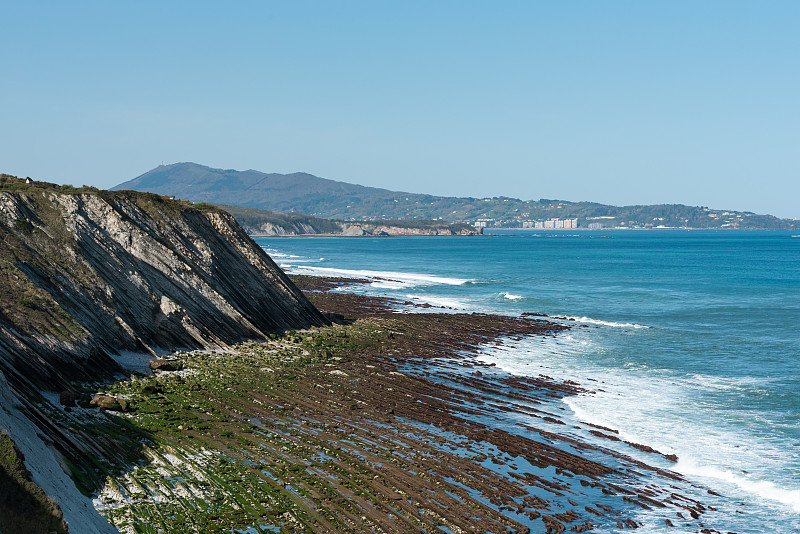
column 90, row 274
column 85, row 274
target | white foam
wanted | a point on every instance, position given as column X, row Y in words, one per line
column 383, row 277
column 666, row 415
column 589, row 320
column 537, row 353
column 279, row 256
column 388, row 284
column 670, row 413
column 511, row 296
column 764, row 489
column 751, row 385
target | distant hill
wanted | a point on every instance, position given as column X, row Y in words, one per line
column 259, row 222
column 329, row 199
column 297, row 192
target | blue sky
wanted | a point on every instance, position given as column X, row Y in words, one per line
column 620, row 102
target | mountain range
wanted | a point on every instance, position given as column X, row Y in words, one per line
column 330, row 199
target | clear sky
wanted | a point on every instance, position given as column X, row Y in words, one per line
column 620, row 102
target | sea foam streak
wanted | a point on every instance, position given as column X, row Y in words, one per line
column 589, row 320
column 407, row 279
column 762, row 488
column 695, row 458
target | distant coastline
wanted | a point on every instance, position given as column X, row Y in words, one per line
column 523, row 231
column 330, row 200
column 491, row 231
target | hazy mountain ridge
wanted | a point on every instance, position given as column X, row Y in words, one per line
column 323, row 198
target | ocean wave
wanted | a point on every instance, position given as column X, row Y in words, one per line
column 719, row 454
column 275, row 254
column 750, row 385
column 511, row 296
column 600, row 322
column 651, row 407
column 533, row 354
column 386, row 278
column 763, row 489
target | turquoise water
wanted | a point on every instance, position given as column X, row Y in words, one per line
column 695, row 336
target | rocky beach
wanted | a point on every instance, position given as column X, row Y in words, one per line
column 383, row 422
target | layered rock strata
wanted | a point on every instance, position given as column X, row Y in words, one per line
column 86, row 275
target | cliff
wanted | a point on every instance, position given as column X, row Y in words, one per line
column 260, row 222
column 399, row 228
column 86, row 274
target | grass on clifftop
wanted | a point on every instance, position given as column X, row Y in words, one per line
column 14, row 184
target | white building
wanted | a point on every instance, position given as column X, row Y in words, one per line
column 557, row 224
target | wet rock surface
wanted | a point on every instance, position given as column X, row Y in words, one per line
column 391, row 424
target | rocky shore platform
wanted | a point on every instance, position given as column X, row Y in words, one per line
column 385, row 421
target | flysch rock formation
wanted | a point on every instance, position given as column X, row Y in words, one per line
column 87, row 274
column 356, row 229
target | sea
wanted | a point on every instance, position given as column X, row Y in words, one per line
column 693, row 336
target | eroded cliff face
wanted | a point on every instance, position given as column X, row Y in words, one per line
column 85, row 275
column 89, row 274
column 387, row 229
column 357, row 230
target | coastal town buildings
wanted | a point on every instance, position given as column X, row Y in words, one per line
column 558, row 224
